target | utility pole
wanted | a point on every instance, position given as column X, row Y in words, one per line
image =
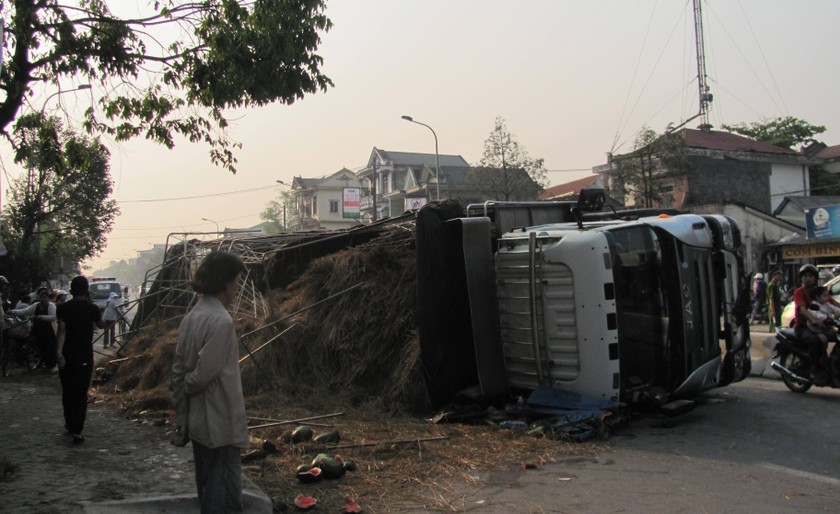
column 702, row 85
column 374, row 216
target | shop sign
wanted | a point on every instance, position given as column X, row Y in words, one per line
column 810, row 251
column 823, row 222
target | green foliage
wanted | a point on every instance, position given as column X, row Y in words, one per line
column 273, row 216
column 788, row 132
column 651, row 171
column 499, row 173
column 280, row 213
column 60, row 205
column 170, row 71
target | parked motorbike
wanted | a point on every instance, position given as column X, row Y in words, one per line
column 19, row 346
column 795, row 364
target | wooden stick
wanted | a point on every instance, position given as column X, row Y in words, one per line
column 287, row 422
column 387, row 443
column 254, row 418
column 252, row 352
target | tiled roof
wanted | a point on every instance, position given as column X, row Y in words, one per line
column 418, row 159
column 727, row 141
column 569, row 188
column 830, row 152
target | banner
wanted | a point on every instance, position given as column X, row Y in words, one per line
column 351, row 197
column 823, row 222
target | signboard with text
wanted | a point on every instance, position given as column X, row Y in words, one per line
column 412, row 204
column 805, row 252
column 823, row 222
column 351, row 197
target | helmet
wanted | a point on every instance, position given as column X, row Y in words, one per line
column 835, row 269
column 4, row 281
column 61, row 292
column 759, row 276
column 809, row 268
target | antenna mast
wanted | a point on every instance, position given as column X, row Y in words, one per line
column 703, row 87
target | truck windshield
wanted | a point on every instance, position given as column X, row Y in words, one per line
column 642, row 307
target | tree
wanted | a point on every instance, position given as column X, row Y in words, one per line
column 171, row 70
column 280, row 213
column 59, row 205
column 273, row 216
column 650, row 172
column 789, row 132
column 499, row 173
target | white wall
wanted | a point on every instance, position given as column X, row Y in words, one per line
column 787, row 180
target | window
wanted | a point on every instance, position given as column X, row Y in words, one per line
column 384, row 183
column 314, row 205
column 333, row 206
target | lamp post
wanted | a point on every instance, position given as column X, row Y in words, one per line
column 284, row 203
column 80, row 87
column 213, row 222
column 437, row 158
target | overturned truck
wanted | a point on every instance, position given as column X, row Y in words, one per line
column 630, row 306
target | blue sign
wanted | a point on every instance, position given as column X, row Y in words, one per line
column 823, row 222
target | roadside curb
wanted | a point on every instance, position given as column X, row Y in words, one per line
column 253, row 500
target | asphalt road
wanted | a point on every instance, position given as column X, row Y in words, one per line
column 750, row 447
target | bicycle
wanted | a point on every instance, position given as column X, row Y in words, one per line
column 19, row 347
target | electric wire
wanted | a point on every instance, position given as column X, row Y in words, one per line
column 764, row 58
column 747, row 61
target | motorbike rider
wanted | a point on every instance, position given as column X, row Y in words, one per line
column 802, row 296
column 826, row 312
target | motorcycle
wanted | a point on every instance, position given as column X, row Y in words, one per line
column 795, row 365
column 19, row 346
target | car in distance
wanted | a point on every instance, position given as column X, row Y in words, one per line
column 101, row 289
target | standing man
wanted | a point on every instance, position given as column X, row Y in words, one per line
column 774, row 300
column 76, row 321
column 207, row 386
column 110, row 315
column 759, row 298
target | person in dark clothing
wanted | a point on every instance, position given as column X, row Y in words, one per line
column 42, row 313
column 76, row 321
column 759, row 298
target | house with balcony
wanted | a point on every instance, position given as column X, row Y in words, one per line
column 326, row 203
column 398, row 181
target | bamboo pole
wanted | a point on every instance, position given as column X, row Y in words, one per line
column 299, row 420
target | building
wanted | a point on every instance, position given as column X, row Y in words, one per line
column 327, row 203
column 398, row 181
column 395, row 182
column 722, row 167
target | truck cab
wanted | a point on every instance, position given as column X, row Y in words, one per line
column 631, row 306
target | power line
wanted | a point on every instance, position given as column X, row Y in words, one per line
column 200, row 196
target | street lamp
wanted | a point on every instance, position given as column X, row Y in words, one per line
column 80, row 87
column 213, row 222
column 437, row 158
column 284, row 203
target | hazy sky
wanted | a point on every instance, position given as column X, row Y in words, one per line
column 574, row 79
